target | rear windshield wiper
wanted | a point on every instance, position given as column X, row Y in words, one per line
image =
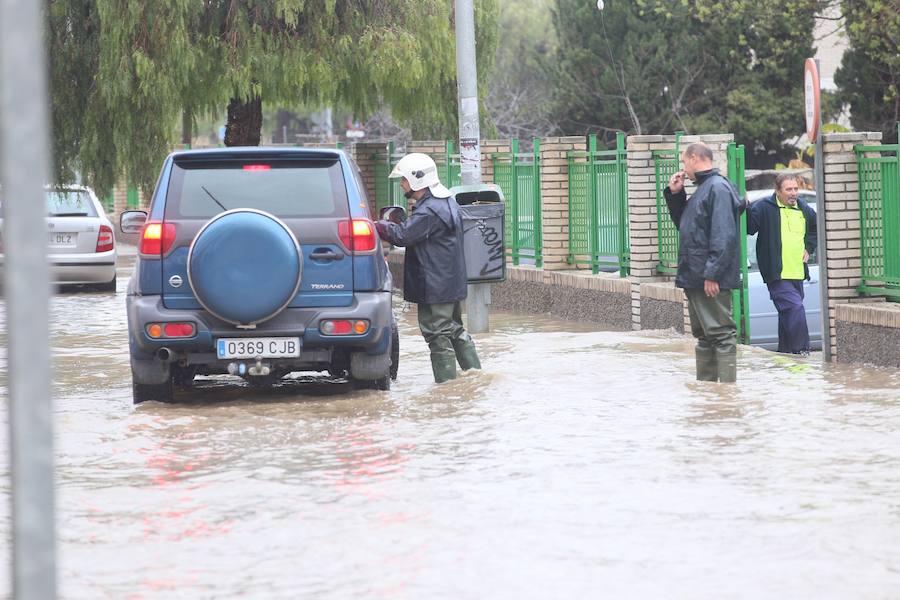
column 203, row 187
column 69, row 214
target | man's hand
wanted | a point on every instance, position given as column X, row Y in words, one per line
column 676, row 182
column 710, row 288
column 805, row 256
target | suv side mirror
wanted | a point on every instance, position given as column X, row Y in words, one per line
column 132, row 221
column 394, row 214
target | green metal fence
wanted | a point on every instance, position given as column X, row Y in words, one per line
column 519, row 176
column 598, row 207
column 740, row 298
column 388, row 191
column 448, row 166
column 879, row 218
column 665, row 164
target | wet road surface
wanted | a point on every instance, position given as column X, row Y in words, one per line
column 580, row 463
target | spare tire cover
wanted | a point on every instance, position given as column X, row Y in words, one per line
column 244, row 266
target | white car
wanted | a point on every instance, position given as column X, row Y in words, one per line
column 81, row 246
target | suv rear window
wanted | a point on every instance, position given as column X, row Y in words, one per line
column 284, row 188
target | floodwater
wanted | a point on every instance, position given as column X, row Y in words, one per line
column 580, row 463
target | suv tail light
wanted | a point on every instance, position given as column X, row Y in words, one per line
column 157, row 238
column 343, row 327
column 170, row 330
column 105, row 241
column 357, row 235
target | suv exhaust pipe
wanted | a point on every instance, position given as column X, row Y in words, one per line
column 165, row 355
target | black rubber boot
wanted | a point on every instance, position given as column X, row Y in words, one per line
column 707, row 369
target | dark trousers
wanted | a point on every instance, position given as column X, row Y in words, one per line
column 713, row 325
column 793, row 333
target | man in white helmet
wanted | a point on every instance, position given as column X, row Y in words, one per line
column 434, row 272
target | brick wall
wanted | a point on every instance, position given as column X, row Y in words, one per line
column 841, row 205
column 642, row 220
column 555, row 199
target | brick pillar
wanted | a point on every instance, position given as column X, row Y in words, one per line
column 120, row 198
column 642, row 218
column 367, row 153
column 842, row 234
column 555, row 199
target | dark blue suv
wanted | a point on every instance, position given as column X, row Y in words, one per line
column 258, row 262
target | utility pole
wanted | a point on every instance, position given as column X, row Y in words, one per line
column 25, row 170
column 479, row 294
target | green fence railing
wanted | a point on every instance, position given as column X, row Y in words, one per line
column 388, row 191
column 740, row 298
column 519, row 176
column 879, row 218
column 598, row 207
column 665, row 164
column 448, row 166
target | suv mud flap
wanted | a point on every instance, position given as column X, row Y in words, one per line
column 371, row 366
column 150, row 372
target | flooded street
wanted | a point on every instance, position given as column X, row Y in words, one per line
column 580, row 463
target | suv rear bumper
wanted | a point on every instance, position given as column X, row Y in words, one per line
column 291, row 322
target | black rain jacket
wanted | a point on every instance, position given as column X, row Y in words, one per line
column 709, row 228
column 764, row 218
column 434, row 271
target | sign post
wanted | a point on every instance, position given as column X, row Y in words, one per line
column 479, row 294
column 813, row 111
column 24, row 171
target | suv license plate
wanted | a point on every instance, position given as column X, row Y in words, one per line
column 270, row 347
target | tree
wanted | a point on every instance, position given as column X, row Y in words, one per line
column 869, row 76
column 704, row 66
column 124, row 71
column 520, row 98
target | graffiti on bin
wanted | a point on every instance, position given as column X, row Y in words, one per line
column 492, row 251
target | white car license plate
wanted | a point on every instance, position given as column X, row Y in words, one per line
column 62, row 240
column 268, row 347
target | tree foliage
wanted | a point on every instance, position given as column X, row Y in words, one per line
column 702, row 66
column 520, row 99
column 122, row 71
column 869, row 76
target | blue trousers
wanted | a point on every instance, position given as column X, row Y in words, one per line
column 793, row 334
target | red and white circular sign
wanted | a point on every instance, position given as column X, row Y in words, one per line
column 813, row 99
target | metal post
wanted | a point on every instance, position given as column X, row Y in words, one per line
column 622, row 192
column 822, row 243
column 25, row 170
column 479, row 298
column 537, row 211
column 514, row 197
column 593, row 208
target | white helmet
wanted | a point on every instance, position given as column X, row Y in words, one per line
column 421, row 172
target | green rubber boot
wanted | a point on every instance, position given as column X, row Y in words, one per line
column 726, row 367
column 466, row 353
column 707, row 369
column 443, row 367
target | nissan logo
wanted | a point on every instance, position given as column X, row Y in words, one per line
column 175, row 281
